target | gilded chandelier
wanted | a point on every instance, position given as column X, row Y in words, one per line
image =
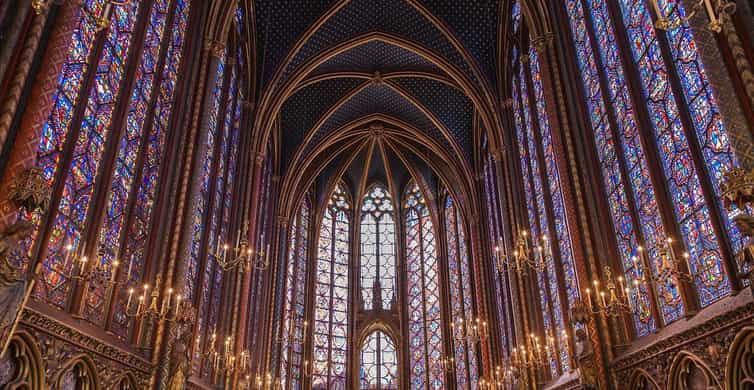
column 242, row 256
column 523, row 257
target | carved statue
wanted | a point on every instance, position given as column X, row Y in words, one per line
column 29, row 193
column 585, row 359
column 181, row 347
column 13, row 281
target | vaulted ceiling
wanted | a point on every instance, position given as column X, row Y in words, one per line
column 329, row 72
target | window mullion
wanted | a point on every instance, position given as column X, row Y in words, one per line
column 40, row 247
column 620, row 158
column 705, row 177
column 143, row 145
column 656, row 171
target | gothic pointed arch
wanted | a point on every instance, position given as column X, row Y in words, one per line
column 739, row 366
column 78, row 373
column 641, row 380
column 688, row 371
column 22, row 367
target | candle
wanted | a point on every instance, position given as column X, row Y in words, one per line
column 130, row 267
column 588, row 298
column 166, row 304
column 130, row 295
column 68, row 250
column 83, row 261
column 686, row 258
column 602, row 294
column 114, row 270
column 620, row 284
column 225, row 252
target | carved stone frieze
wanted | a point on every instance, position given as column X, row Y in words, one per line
column 709, row 342
column 60, row 344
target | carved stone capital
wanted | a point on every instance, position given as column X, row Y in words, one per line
column 498, row 155
column 29, row 190
column 215, row 48
column 259, row 159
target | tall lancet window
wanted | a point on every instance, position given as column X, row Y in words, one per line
column 331, row 300
column 544, row 202
column 461, row 299
column 680, row 197
column 379, row 362
column 294, row 300
column 377, row 249
column 424, row 327
column 101, row 148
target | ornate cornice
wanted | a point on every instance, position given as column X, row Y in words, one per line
column 733, row 318
column 57, row 329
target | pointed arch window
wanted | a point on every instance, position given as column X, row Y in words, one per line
column 544, row 203
column 425, row 339
column 294, row 301
column 379, row 362
column 211, row 218
column 461, row 298
column 377, row 240
column 495, row 233
column 331, row 300
column 685, row 135
column 106, row 135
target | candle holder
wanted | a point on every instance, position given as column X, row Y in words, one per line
column 267, row 383
column 612, row 301
column 226, row 362
column 77, row 268
column 717, row 12
column 669, row 264
column 149, row 307
column 472, row 331
column 242, row 256
column 448, row 363
column 523, row 258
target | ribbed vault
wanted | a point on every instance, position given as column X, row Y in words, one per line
column 329, row 72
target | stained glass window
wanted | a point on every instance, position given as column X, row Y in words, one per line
column 379, row 362
column 377, row 249
column 535, row 179
column 133, row 251
column 425, row 341
column 460, row 288
column 73, row 154
column 631, row 192
column 331, row 302
column 70, row 213
column 293, row 328
column 626, row 149
column 495, row 234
